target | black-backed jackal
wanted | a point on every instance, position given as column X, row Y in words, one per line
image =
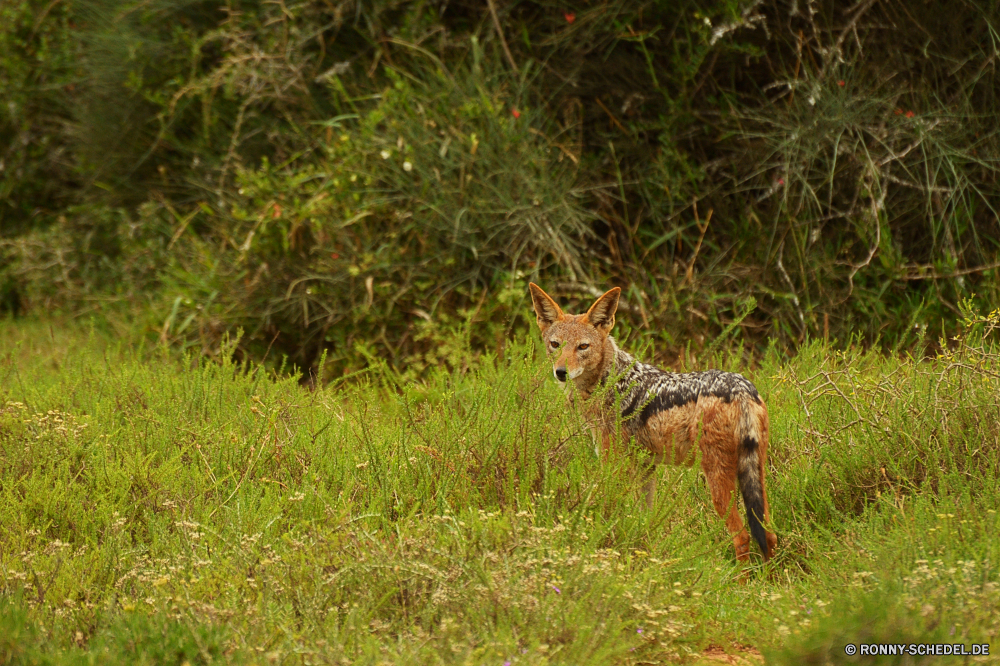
column 667, row 412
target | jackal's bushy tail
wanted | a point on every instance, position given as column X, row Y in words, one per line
column 752, row 434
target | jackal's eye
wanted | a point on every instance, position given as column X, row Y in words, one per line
column 585, row 345
column 554, row 344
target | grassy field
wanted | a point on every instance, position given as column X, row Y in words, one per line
column 177, row 511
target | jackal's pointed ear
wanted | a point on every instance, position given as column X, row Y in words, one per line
column 601, row 314
column 546, row 309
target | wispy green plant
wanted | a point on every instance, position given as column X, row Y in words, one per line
column 441, row 194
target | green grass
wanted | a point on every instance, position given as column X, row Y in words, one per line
column 166, row 511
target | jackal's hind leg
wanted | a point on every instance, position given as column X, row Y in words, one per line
column 722, row 486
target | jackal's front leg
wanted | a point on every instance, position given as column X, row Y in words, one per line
column 650, row 485
column 650, row 476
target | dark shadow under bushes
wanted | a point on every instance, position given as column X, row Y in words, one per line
column 381, row 180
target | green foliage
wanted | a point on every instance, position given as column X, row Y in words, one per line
column 343, row 253
column 869, row 190
column 134, row 637
column 36, row 69
column 945, row 601
column 840, row 172
column 92, row 253
column 205, row 511
column 16, row 634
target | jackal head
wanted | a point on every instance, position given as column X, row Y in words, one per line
column 577, row 344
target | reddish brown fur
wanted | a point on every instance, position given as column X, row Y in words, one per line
column 669, row 435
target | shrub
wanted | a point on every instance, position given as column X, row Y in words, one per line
column 836, row 165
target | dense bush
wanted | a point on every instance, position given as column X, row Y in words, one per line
column 36, row 56
column 375, row 179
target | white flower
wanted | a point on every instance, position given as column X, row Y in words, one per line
column 407, row 166
column 385, row 154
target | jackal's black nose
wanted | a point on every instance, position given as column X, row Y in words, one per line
column 561, row 374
